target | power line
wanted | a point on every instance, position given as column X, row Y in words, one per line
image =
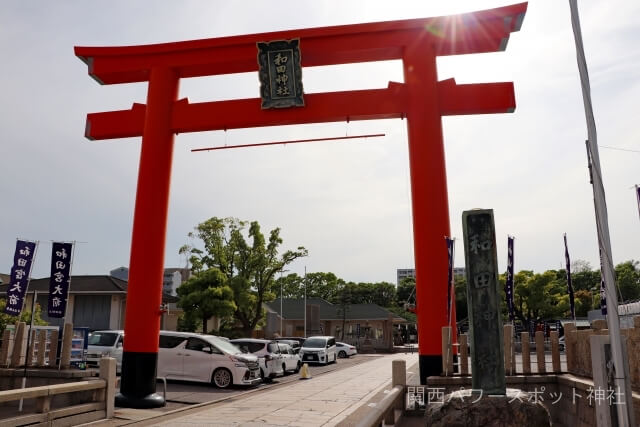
column 618, row 148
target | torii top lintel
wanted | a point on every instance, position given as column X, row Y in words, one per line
column 477, row 32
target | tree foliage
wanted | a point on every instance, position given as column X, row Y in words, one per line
column 249, row 266
column 545, row 295
column 203, row 296
column 628, row 278
column 460, row 286
column 406, row 292
column 318, row 285
column 25, row 316
column 237, row 269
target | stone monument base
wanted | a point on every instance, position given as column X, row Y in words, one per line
column 466, row 409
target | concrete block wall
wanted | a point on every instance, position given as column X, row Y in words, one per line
column 565, row 396
column 578, row 349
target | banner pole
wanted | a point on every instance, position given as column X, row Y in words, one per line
column 26, row 358
column 637, row 187
column 450, row 296
column 624, row 409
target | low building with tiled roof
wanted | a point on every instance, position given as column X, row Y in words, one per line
column 96, row 302
column 363, row 324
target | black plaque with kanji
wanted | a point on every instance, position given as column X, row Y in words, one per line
column 280, row 74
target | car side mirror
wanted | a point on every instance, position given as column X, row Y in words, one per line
column 206, row 349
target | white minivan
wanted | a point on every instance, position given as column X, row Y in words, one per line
column 320, row 349
column 205, row 358
column 105, row 344
column 270, row 359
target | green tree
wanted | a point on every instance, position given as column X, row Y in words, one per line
column 582, row 276
column 25, row 316
column 203, row 296
column 250, row 267
column 344, row 301
column 187, row 322
column 317, row 285
column 323, row 285
column 401, row 312
column 380, row 293
column 406, row 291
column 584, row 302
column 540, row 296
column 359, row 292
column 628, row 279
column 292, row 286
column 460, row 287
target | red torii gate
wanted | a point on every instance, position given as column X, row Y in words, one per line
column 421, row 99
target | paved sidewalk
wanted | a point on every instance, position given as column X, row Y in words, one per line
column 324, row 400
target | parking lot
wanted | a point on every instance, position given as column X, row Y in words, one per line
column 180, row 394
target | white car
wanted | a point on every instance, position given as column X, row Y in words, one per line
column 268, row 354
column 205, row 358
column 345, row 350
column 290, row 360
column 319, row 349
column 105, row 344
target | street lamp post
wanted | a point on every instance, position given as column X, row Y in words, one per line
column 305, row 301
column 281, row 314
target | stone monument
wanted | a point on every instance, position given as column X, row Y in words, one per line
column 483, row 300
column 489, row 403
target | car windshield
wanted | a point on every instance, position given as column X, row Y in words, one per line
column 315, row 342
column 105, row 339
column 224, row 345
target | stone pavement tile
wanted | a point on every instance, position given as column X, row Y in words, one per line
column 317, row 402
column 285, row 397
column 322, row 406
column 288, row 412
column 312, row 420
column 213, row 419
column 258, row 424
column 201, row 424
column 276, row 420
column 134, row 414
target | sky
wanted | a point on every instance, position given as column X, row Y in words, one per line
column 347, row 202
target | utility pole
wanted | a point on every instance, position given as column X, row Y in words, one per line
column 281, row 293
column 305, row 301
column 604, row 243
column 281, row 305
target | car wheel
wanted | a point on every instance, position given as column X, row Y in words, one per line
column 264, row 378
column 221, row 378
column 298, row 366
column 342, row 354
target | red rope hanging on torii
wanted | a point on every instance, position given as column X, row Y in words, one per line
column 293, row 141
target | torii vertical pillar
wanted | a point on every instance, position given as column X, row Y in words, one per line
column 430, row 204
column 146, row 265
